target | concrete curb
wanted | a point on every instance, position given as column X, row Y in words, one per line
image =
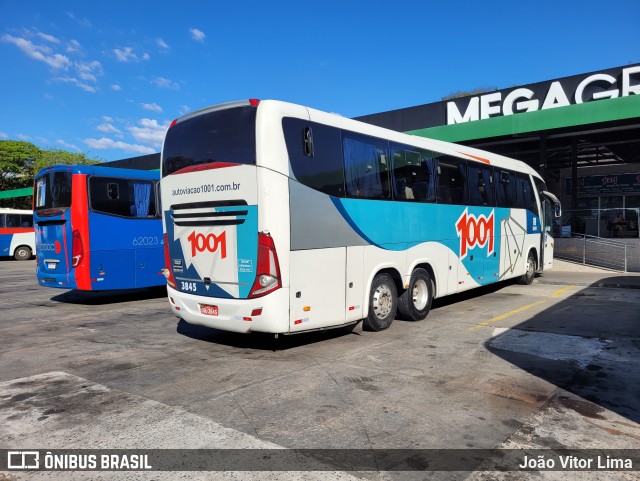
column 607, row 284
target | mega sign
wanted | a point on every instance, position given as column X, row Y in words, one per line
column 560, row 93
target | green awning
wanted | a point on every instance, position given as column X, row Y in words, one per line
column 559, row 117
column 10, row 194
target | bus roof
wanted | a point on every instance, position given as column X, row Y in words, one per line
column 448, row 148
column 103, row 171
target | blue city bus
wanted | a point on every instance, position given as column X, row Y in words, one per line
column 98, row 228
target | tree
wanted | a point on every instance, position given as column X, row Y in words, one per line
column 20, row 161
column 16, row 163
column 59, row 156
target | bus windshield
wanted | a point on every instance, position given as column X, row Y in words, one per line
column 226, row 135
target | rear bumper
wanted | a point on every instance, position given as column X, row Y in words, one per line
column 49, row 279
column 235, row 314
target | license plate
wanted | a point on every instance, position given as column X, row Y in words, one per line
column 51, row 265
column 208, row 310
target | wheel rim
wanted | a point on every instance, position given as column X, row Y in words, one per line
column 420, row 294
column 382, row 301
column 530, row 269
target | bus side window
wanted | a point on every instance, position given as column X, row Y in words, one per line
column 26, row 220
column 412, row 174
column 452, row 184
column 13, row 220
column 480, row 185
column 528, row 194
column 366, row 167
column 315, row 155
column 505, row 184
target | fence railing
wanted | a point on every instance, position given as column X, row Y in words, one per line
column 593, row 251
column 606, row 223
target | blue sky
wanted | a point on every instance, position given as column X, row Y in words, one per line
column 106, row 78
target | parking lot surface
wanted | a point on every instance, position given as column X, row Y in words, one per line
column 541, row 366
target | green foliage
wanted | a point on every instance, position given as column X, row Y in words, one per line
column 16, row 163
column 20, row 161
column 58, row 156
column 469, row 93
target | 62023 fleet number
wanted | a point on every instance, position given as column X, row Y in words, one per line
column 188, row 286
column 146, row 241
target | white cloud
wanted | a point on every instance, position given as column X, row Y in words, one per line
column 162, row 44
column 67, row 145
column 154, row 107
column 165, row 83
column 108, row 128
column 127, row 54
column 41, row 53
column 48, row 38
column 77, row 83
column 106, row 118
column 184, row 109
column 89, row 71
column 197, row 35
column 82, row 21
column 23, row 137
column 4, row 135
column 105, row 143
column 86, row 72
column 116, row 87
column 150, row 132
column 74, row 46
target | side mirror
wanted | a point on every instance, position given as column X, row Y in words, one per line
column 557, row 210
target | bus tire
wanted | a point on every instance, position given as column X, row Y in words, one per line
column 383, row 303
column 22, row 253
column 527, row 278
column 415, row 302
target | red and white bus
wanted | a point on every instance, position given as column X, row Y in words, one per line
column 17, row 238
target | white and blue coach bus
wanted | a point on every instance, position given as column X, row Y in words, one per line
column 279, row 218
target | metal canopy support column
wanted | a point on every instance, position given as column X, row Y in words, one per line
column 542, row 168
column 574, row 182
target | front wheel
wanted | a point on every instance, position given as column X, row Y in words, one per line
column 383, row 303
column 414, row 303
column 527, row 278
column 22, row 253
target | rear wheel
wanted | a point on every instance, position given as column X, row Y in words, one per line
column 22, row 253
column 415, row 302
column 528, row 276
column 383, row 303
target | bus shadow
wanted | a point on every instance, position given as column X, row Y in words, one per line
column 260, row 341
column 478, row 292
column 584, row 346
column 269, row 342
column 96, row 298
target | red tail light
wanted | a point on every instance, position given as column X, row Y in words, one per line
column 268, row 268
column 77, row 251
column 167, row 271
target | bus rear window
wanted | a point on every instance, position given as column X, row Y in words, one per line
column 53, row 191
column 227, row 135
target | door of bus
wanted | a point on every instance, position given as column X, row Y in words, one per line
column 550, row 209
